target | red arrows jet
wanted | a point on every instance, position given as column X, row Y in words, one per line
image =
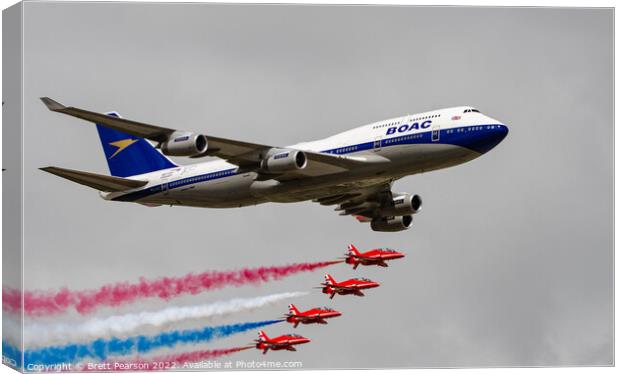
column 316, row 315
column 280, row 343
column 348, row 287
column 372, row 257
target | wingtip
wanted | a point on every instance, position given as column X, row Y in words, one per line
column 51, row 104
column 51, row 169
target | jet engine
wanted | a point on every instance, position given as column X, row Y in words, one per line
column 283, row 160
column 185, row 144
column 391, row 224
column 401, row 204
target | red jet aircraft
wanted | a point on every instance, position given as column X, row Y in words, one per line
column 372, row 257
column 316, row 315
column 348, row 287
column 281, row 342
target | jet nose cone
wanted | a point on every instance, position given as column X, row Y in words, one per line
column 502, row 130
column 497, row 134
column 485, row 138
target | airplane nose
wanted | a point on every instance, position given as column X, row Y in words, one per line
column 487, row 137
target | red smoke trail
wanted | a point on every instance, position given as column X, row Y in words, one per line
column 168, row 362
column 50, row 302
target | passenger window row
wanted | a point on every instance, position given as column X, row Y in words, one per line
column 387, row 124
column 401, row 138
column 410, row 120
column 427, row 117
column 345, row 149
column 469, row 129
column 200, row 178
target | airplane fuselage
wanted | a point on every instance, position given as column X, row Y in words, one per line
column 311, row 317
column 391, row 149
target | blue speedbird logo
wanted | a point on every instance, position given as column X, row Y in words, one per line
column 407, row 128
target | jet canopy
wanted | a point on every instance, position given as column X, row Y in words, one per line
column 390, row 250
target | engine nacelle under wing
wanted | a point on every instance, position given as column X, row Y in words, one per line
column 391, row 224
column 284, row 160
column 185, row 144
column 401, row 204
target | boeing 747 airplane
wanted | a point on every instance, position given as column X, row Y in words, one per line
column 353, row 170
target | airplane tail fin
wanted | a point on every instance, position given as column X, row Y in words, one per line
column 129, row 155
column 262, row 336
column 329, row 279
column 293, row 309
column 353, row 250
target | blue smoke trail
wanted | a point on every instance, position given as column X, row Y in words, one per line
column 101, row 349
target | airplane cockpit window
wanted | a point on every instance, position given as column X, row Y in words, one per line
column 471, row 110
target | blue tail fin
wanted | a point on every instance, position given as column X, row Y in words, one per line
column 129, row 155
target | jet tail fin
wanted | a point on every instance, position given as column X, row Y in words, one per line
column 129, row 155
column 293, row 309
column 262, row 336
column 353, row 250
column 329, row 279
column 99, row 182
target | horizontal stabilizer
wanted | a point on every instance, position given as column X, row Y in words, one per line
column 99, row 182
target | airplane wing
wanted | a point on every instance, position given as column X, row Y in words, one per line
column 243, row 154
column 341, row 288
column 247, row 154
column 142, row 130
column 304, row 318
column 362, row 202
column 278, row 345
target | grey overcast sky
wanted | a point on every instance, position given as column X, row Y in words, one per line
column 510, row 261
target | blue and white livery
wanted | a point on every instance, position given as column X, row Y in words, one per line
column 353, row 170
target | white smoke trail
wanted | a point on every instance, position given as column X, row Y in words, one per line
column 12, row 331
column 44, row 334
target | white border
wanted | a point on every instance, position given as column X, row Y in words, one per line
column 487, row 3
